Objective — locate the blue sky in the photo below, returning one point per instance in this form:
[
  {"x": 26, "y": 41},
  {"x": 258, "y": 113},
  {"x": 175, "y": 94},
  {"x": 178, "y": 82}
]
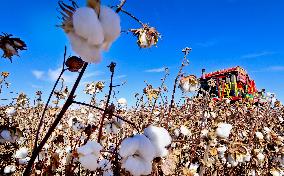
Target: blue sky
[{"x": 222, "y": 33}]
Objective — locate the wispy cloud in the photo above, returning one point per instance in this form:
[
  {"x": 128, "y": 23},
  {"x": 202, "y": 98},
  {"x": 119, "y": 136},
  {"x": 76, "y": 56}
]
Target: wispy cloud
[
  {"x": 93, "y": 74},
  {"x": 156, "y": 70},
  {"x": 270, "y": 69},
  {"x": 38, "y": 74},
  {"x": 68, "y": 77},
  {"x": 275, "y": 68},
  {"x": 258, "y": 54},
  {"x": 120, "y": 77}
]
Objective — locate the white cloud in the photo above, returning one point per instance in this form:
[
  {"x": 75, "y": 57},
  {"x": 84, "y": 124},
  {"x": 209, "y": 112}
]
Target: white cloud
[
  {"x": 255, "y": 55},
  {"x": 93, "y": 74},
  {"x": 120, "y": 76},
  {"x": 156, "y": 70},
  {"x": 38, "y": 74},
  {"x": 67, "y": 76},
  {"x": 275, "y": 68}
]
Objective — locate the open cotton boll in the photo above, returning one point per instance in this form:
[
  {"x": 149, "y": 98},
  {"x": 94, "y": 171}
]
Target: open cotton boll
[
  {"x": 87, "y": 25},
  {"x": 10, "y": 111},
  {"x": 137, "y": 145},
  {"x": 185, "y": 87},
  {"x": 122, "y": 102},
  {"x": 137, "y": 153},
  {"x": 128, "y": 147},
  {"x": 260, "y": 157},
  {"x": 224, "y": 130},
  {"x": 24, "y": 160},
  {"x": 160, "y": 138},
  {"x": 88, "y": 53},
  {"x": 89, "y": 162},
  {"x": 110, "y": 22},
  {"x": 259, "y": 135},
  {"x": 91, "y": 147},
  {"x": 185, "y": 131},
  {"x": 5, "y": 134},
  {"x": 9, "y": 169},
  {"x": 137, "y": 166},
  {"x": 21, "y": 153}
]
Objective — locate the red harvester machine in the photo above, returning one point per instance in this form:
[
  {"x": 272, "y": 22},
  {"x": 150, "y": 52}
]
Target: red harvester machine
[{"x": 232, "y": 83}]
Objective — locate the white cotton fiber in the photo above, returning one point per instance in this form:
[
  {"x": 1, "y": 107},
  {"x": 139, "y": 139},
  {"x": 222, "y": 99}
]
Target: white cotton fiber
[
  {"x": 91, "y": 54},
  {"x": 137, "y": 153},
  {"x": 146, "y": 148},
  {"x": 9, "y": 169},
  {"x": 223, "y": 130},
  {"x": 128, "y": 147},
  {"x": 91, "y": 147},
  {"x": 21, "y": 153},
  {"x": 185, "y": 87},
  {"x": 110, "y": 22},
  {"x": 160, "y": 138},
  {"x": 137, "y": 166},
  {"x": 86, "y": 24},
  {"x": 89, "y": 162},
  {"x": 5, "y": 134},
  {"x": 24, "y": 160}
]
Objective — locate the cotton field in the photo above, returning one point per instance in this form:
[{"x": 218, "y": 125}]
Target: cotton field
[{"x": 203, "y": 131}]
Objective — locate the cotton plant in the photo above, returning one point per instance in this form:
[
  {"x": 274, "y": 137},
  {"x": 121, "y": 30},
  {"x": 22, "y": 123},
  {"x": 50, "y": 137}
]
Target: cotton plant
[{"x": 90, "y": 29}]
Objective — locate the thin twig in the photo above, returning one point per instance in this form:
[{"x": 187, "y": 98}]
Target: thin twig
[
  {"x": 56, "y": 121},
  {"x": 122, "y": 2},
  {"x": 101, "y": 109},
  {"x": 49, "y": 98},
  {"x": 186, "y": 52},
  {"x": 111, "y": 66},
  {"x": 132, "y": 16}
]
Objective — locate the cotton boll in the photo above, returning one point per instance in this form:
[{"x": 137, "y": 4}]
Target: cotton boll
[
  {"x": 122, "y": 102},
  {"x": 87, "y": 25},
  {"x": 224, "y": 130},
  {"x": 10, "y": 111},
  {"x": 260, "y": 157},
  {"x": 177, "y": 132},
  {"x": 259, "y": 135},
  {"x": 222, "y": 150},
  {"x": 232, "y": 161},
  {"x": 185, "y": 87},
  {"x": 185, "y": 131},
  {"x": 9, "y": 169},
  {"x": 137, "y": 166},
  {"x": 5, "y": 134},
  {"x": 247, "y": 157},
  {"x": 105, "y": 164},
  {"x": 91, "y": 147},
  {"x": 108, "y": 173},
  {"x": 110, "y": 22},
  {"x": 89, "y": 162},
  {"x": 24, "y": 160},
  {"x": 21, "y": 153},
  {"x": 160, "y": 138},
  {"x": 88, "y": 53},
  {"x": 128, "y": 147}
]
